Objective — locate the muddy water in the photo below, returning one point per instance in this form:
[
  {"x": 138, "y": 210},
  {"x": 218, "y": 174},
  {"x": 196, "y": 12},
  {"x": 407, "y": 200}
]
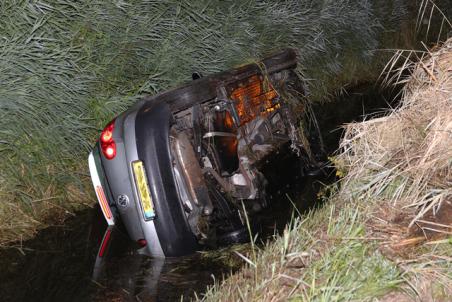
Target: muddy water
[{"x": 63, "y": 263}]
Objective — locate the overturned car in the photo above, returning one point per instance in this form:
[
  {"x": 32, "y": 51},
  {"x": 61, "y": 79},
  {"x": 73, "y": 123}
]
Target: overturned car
[{"x": 182, "y": 169}]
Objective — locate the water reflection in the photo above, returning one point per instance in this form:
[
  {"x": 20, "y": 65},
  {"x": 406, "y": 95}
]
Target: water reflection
[
  {"x": 124, "y": 271},
  {"x": 70, "y": 263},
  {"x": 120, "y": 273}
]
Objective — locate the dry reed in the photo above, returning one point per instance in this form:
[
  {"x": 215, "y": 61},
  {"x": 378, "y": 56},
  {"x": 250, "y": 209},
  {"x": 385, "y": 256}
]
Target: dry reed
[{"x": 406, "y": 157}]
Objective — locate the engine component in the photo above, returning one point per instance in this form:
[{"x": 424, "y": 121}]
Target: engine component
[{"x": 189, "y": 164}]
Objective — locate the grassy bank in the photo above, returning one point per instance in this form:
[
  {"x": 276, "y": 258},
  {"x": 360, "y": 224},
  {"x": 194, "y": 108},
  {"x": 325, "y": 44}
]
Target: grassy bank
[
  {"x": 385, "y": 230},
  {"x": 322, "y": 257},
  {"x": 68, "y": 67}
]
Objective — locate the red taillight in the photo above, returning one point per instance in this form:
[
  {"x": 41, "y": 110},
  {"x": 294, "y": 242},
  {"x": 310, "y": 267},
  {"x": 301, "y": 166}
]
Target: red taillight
[
  {"x": 142, "y": 242},
  {"x": 107, "y": 134},
  {"x": 110, "y": 150},
  {"x": 107, "y": 143}
]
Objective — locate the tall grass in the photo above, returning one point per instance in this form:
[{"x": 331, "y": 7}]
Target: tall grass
[
  {"x": 67, "y": 67},
  {"x": 45, "y": 83}
]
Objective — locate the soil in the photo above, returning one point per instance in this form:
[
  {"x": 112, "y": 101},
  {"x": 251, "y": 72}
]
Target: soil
[
  {"x": 393, "y": 223},
  {"x": 434, "y": 227}
]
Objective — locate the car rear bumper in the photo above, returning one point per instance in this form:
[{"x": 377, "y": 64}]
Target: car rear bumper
[
  {"x": 144, "y": 137},
  {"x": 116, "y": 178},
  {"x": 152, "y": 127}
]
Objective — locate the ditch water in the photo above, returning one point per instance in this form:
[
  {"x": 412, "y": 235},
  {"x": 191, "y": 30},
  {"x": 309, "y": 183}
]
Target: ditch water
[{"x": 62, "y": 263}]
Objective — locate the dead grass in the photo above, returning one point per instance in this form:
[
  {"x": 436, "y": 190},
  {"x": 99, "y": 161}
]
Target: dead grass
[
  {"x": 14, "y": 223},
  {"x": 405, "y": 158},
  {"x": 402, "y": 164}
]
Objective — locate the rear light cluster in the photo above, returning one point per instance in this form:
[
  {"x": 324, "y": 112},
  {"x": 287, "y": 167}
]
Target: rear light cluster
[{"x": 107, "y": 143}]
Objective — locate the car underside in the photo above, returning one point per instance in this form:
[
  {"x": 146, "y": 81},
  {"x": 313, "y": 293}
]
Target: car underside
[
  {"x": 185, "y": 169},
  {"x": 218, "y": 147}
]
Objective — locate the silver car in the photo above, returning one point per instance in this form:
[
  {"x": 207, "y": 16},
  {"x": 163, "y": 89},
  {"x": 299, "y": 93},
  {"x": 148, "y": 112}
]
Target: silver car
[{"x": 181, "y": 169}]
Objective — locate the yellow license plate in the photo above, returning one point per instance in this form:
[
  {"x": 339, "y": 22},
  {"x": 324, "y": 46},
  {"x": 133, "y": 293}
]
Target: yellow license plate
[{"x": 143, "y": 190}]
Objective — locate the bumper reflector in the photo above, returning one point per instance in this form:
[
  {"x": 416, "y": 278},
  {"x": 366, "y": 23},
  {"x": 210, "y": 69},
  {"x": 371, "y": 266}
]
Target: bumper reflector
[
  {"x": 103, "y": 202},
  {"x": 101, "y": 198},
  {"x": 143, "y": 190}
]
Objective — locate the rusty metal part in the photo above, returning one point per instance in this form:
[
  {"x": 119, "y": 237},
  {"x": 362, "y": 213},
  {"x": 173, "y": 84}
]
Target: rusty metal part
[
  {"x": 223, "y": 183},
  {"x": 191, "y": 170}
]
